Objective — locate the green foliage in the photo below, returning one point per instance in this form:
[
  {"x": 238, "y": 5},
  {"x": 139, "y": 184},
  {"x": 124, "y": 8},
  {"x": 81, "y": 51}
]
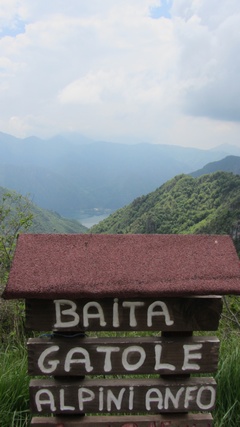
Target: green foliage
[
  {"x": 12, "y": 319},
  {"x": 43, "y": 220},
  {"x": 15, "y": 217},
  {"x": 227, "y": 412},
  {"x": 209, "y": 204},
  {"x": 18, "y": 215},
  {"x": 14, "y": 395}
]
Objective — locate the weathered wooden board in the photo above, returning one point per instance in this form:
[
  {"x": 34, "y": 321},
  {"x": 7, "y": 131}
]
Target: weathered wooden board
[
  {"x": 122, "y": 396},
  {"x": 163, "y": 314},
  {"x": 188, "y": 420},
  {"x": 62, "y": 356}
]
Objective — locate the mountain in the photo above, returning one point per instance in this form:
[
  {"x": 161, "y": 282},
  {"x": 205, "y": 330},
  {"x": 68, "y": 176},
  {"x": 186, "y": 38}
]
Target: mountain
[
  {"x": 228, "y": 148},
  {"x": 45, "y": 221},
  {"x": 228, "y": 164},
  {"x": 209, "y": 204},
  {"x": 70, "y": 173}
]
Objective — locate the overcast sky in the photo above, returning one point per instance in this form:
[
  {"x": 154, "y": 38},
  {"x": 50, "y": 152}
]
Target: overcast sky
[{"x": 159, "y": 71}]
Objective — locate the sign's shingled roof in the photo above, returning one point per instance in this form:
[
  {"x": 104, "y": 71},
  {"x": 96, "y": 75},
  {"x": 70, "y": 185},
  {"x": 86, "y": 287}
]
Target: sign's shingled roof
[{"x": 98, "y": 266}]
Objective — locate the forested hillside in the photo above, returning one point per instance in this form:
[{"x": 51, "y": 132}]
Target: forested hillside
[
  {"x": 43, "y": 221},
  {"x": 208, "y": 204}
]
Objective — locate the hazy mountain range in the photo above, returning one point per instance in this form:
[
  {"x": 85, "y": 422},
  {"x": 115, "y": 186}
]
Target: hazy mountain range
[{"x": 70, "y": 173}]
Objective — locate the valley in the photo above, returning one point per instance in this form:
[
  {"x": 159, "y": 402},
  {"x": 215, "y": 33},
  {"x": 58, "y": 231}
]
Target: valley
[
  {"x": 69, "y": 175},
  {"x": 78, "y": 185}
]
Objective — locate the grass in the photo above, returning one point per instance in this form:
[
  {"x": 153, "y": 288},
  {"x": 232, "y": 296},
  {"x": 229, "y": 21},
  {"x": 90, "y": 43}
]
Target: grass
[
  {"x": 227, "y": 413},
  {"x": 14, "y": 401}
]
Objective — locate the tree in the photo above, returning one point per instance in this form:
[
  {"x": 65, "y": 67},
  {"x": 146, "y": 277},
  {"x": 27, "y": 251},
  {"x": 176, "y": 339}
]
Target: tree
[{"x": 15, "y": 217}]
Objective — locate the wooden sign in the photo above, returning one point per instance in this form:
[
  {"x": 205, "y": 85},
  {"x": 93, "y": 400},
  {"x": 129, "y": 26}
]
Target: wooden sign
[
  {"x": 162, "y": 314},
  {"x": 122, "y": 396},
  {"x": 68, "y": 356},
  {"x": 196, "y": 420},
  {"x": 107, "y": 356}
]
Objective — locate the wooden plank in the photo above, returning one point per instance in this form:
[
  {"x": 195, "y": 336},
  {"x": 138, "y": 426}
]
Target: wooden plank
[
  {"x": 122, "y": 396},
  {"x": 189, "y": 420},
  {"x": 64, "y": 356},
  {"x": 113, "y": 314}
]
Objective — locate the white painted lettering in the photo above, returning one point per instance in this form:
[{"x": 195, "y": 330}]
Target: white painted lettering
[
  {"x": 115, "y": 314},
  {"x": 131, "y": 397},
  {"x": 117, "y": 400},
  {"x": 108, "y": 350},
  {"x": 100, "y": 399},
  {"x": 188, "y": 396},
  {"x": 174, "y": 399},
  {"x": 44, "y": 397},
  {"x": 212, "y": 394},
  {"x": 84, "y": 395},
  {"x": 85, "y": 359},
  {"x": 127, "y": 352},
  {"x": 64, "y": 407},
  {"x": 99, "y": 315},
  {"x": 187, "y": 356},
  {"x": 153, "y": 395},
  {"x": 50, "y": 365},
  {"x": 66, "y": 312},
  {"x": 158, "y": 364},
  {"x": 132, "y": 305},
  {"x": 163, "y": 312}
]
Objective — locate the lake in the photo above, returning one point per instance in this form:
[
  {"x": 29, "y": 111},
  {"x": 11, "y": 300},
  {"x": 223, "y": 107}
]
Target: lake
[{"x": 92, "y": 220}]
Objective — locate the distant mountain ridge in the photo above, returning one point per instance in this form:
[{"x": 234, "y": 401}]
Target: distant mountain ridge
[
  {"x": 208, "y": 204},
  {"x": 228, "y": 164},
  {"x": 70, "y": 173}
]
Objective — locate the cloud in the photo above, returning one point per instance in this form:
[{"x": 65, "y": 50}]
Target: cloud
[
  {"x": 209, "y": 64},
  {"x": 110, "y": 69},
  {"x": 86, "y": 90},
  {"x": 218, "y": 93}
]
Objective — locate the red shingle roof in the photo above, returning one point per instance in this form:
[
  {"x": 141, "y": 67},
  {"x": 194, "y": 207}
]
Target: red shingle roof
[{"x": 98, "y": 265}]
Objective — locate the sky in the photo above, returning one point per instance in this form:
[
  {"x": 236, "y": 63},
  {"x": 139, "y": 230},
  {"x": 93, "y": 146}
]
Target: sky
[{"x": 157, "y": 71}]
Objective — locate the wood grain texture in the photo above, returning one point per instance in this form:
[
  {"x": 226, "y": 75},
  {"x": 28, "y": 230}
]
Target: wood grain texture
[
  {"x": 122, "y": 396},
  {"x": 65, "y": 356},
  {"x": 185, "y": 314}
]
